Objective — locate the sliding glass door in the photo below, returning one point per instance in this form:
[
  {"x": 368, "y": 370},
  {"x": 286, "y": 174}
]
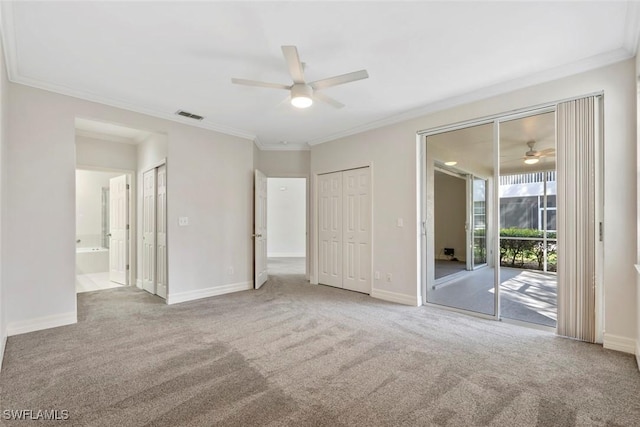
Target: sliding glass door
[{"x": 490, "y": 229}]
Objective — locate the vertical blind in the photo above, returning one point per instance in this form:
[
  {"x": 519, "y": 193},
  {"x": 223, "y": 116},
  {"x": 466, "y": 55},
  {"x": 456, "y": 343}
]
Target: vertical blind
[{"x": 576, "y": 217}]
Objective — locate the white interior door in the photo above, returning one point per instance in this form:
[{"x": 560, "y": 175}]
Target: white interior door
[
  {"x": 161, "y": 232},
  {"x": 260, "y": 230},
  {"x": 330, "y": 229},
  {"x": 149, "y": 231},
  {"x": 118, "y": 230},
  {"x": 356, "y": 226}
]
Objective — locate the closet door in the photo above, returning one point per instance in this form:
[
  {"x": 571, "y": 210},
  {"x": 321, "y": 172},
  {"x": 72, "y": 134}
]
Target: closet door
[
  {"x": 356, "y": 226},
  {"x": 161, "y": 232},
  {"x": 330, "y": 229},
  {"x": 149, "y": 231}
]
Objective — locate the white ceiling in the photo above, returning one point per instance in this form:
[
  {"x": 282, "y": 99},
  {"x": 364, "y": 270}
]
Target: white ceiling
[{"x": 158, "y": 57}]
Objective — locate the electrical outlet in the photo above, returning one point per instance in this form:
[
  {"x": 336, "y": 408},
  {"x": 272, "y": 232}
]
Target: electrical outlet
[
  {"x": 388, "y": 277},
  {"x": 183, "y": 221},
  {"x": 400, "y": 222},
  {"x": 376, "y": 275},
  {"x": 231, "y": 271}
]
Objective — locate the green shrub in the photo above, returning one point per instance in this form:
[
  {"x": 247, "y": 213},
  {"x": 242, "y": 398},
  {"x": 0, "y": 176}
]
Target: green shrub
[{"x": 516, "y": 253}]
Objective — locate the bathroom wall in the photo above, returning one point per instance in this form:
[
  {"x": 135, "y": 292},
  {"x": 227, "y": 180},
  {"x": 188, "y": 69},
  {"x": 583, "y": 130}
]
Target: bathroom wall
[{"x": 89, "y": 186}]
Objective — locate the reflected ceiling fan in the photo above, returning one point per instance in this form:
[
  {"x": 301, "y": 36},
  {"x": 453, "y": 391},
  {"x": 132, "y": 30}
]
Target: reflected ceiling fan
[
  {"x": 533, "y": 156},
  {"x": 303, "y": 93}
]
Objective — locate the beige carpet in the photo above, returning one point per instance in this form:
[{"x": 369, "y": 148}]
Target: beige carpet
[{"x": 297, "y": 354}]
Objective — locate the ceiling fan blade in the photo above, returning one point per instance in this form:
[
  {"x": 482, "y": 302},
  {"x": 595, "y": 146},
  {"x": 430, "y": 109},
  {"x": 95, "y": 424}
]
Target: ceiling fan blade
[
  {"x": 338, "y": 80},
  {"x": 548, "y": 151},
  {"x": 246, "y": 82},
  {"x": 293, "y": 62},
  {"x": 324, "y": 98}
]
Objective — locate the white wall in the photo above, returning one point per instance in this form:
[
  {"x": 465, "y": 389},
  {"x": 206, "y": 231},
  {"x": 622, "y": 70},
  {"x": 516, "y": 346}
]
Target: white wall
[
  {"x": 89, "y": 185},
  {"x": 450, "y": 215},
  {"x": 210, "y": 182},
  {"x": 638, "y": 207},
  {"x": 392, "y": 152},
  {"x": 150, "y": 153},
  {"x": 4, "y": 112},
  {"x": 105, "y": 154},
  {"x": 283, "y": 163},
  {"x": 286, "y": 217}
]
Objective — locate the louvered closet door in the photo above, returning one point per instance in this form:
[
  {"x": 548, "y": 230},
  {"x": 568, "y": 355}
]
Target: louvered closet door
[
  {"x": 356, "y": 225},
  {"x": 330, "y": 229}
]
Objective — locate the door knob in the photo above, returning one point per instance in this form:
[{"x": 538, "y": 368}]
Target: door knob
[{"x": 256, "y": 235}]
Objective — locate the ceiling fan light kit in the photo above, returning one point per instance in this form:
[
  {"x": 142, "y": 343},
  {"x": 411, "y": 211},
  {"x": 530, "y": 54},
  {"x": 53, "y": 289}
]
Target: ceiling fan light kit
[
  {"x": 533, "y": 156},
  {"x": 303, "y": 93}
]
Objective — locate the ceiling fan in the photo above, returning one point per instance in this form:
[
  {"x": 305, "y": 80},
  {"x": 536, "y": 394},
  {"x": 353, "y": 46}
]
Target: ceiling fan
[
  {"x": 533, "y": 156},
  {"x": 303, "y": 93}
]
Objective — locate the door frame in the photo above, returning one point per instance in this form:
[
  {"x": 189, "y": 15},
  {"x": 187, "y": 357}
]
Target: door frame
[
  {"x": 131, "y": 179},
  {"x": 313, "y": 209},
  {"x": 496, "y": 119}
]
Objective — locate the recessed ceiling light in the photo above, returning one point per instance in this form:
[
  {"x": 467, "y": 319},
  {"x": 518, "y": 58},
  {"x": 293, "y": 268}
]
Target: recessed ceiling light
[
  {"x": 283, "y": 188},
  {"x": 532, "y": 161},
  {"x": 451, "y": 163},
  {"x": 284, "y": 142}
]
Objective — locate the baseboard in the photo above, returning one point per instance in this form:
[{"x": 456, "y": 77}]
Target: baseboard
[
  {"x": 208, "y": 292},
  {"x": 618, "y": 343},
  {"x": 40, "y": 323},
  {"x": 638, "y": 354},
  {"x": 413, "y": 300},
  {"x": 286, "y": 255}
]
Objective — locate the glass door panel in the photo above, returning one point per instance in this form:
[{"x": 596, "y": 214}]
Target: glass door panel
[
  {"x": 479, "y": 222},
  {"x": 459, "y": 167},
  {"x": 527, "y": 199}
]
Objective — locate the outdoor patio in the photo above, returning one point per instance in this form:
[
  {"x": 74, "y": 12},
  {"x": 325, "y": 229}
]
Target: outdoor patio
[{"x": 526, "y": 295}]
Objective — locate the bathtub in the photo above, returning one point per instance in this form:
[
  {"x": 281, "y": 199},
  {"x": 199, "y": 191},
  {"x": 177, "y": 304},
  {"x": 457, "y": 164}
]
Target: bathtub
[{"x": 92, "y": 260}]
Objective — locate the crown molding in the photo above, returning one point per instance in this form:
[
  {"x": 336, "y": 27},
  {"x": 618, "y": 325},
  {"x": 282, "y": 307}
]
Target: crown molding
[
  {"x": 628, "y": 50},
  {"x": 87, "y": 96},
  {"x": 281, "y": 147},
  {"x": 289, "y": 147},
  {"x": 7, "y": 30},
  {"x": 577, "y": 67},
  {"x": 632, "y": 27}
]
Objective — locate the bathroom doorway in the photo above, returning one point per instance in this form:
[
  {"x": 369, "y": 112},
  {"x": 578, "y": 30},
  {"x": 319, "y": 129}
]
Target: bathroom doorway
[{"x": 103, "y": 212}]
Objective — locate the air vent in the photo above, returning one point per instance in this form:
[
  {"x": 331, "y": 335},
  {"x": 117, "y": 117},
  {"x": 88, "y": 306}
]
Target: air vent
[{"x": 189, "y": 115}]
